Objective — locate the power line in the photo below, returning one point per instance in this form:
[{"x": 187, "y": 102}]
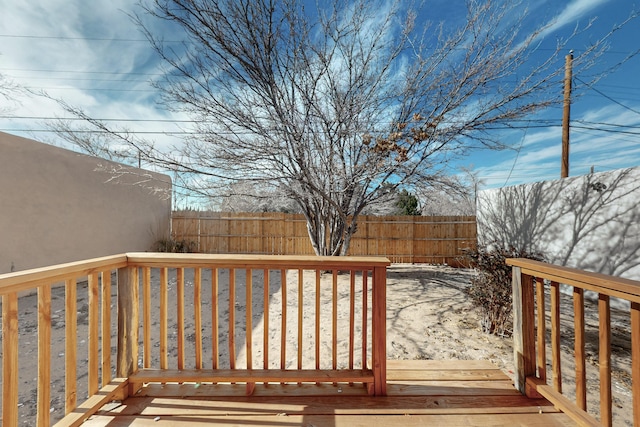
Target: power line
[
  {"x": 597, "y": 126},
  {"x": 80, "y": 72},
  {"x": 82, "y": 131},
  {"x": 547, "y": 167},
  {"x": 139, "y": 132},
  {"x": 632, "y": 139},
  {"x": 617, "y": 131},
  {"x": 127, "y": 40},
  {"x": 78, "y": 79},
  {"x": 626, "y": 88},
  {"x": 101, "y": 39},
  {"x": 585, "y": 122},
  {"x": 88, "y": 89},
  {"x": 101, "y": 120},
  {"x": 608, "y": 97}
]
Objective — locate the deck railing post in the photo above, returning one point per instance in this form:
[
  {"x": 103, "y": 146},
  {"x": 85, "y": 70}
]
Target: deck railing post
[
  {"x": 10, "y": 359},
  {"x": 128, "y": 321},
  {"x": 379, "y": 333},
  {"x": 523, "y": 328}
]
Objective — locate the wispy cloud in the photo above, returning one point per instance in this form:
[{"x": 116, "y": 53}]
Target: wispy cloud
[
  {"x": 571, "y": 15},
  {"x": 603, "y": 148},
  {"x": 90, "y": 54}
]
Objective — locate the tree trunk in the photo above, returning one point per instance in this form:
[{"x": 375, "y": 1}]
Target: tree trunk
[{"x": 330, "y": 236}]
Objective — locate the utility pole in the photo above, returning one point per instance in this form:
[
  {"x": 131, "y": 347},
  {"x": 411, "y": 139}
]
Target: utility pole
[{"x": 566, "y": 114}]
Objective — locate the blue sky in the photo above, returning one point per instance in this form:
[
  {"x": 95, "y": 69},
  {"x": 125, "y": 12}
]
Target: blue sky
[{"x": 94, "y": 57}]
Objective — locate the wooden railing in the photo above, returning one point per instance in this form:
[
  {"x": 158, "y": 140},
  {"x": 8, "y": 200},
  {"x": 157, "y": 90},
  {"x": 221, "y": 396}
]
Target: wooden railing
[
  {"x": 529, "y": 308},
  {"x": 289, "y": 308},
  {"x": 97, "y": 274}
]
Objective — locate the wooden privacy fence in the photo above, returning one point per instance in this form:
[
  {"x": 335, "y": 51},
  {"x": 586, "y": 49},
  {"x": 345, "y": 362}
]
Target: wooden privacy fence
[{"x": 401, "y": 239}]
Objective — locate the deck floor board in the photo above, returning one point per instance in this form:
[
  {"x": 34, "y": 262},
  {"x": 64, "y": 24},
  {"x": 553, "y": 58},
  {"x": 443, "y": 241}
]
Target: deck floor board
[{"x": 439, "y": 393}]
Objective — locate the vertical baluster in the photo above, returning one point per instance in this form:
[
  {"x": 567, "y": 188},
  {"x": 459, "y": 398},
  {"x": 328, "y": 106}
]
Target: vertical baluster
[
  {"x": 146, "y": 314},
  {"x": 44, "y": 355},
  {"x": 541, "y": 352},
  {"x": 232, "y": 318},
  {"x": 249, "y": 318},
  {"x": 283, "y": 314},
  {"x": 10, "y": 359},
  {"x": 180, "y": 315},
  {"x": 317, "y": 314},
  {"x": 249, "y": 325},
  {"x": 106, "y": 327},
  {"x": 579, "y": 348},
  {"x": 334, "y": 320},
  {"x": 93, "y": 361},
  {"x": 197, "y": 315},
  {"x": 215, "y": 358},
  {"x": 300, "y": 313},
  {"x": 352, "y": 314},
  {"x": 365, "y": 316},
  {"x": 556, "y": 360},
  {"x": 164, "y": 318},
  {"x": 265, "y": 341},
  {"x": 635, "y": 361},
  {"x": 71, "y": 348},
  {"x": 604, "y": 318}
]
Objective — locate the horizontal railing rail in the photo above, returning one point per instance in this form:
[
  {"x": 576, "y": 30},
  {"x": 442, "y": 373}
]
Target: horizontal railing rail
[
  {"x": 529, "y": 307},
  {"x": 193, "y": 318}
]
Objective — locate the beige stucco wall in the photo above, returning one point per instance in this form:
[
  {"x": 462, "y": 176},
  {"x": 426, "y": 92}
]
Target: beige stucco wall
[
  {"x": 60, "y": 206},
  {"x": 590, "y": 222}
]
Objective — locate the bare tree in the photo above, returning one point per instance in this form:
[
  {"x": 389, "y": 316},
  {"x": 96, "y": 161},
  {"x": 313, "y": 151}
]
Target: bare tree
[
  {"x": 447, "y": 203},
  {"x": 8, "y": 91},
  {"x": 336, "y": 104},
  {"x": 99, "y": 144},
  {"x": 244, "y": 196},
  {"x": 456, "y": 197},
  {"x": 386, "y": 204}
]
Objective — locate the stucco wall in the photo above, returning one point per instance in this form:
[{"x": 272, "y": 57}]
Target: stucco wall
[
  {"x": 59, "y": 206},
  {"x": 590, "y": 222}
]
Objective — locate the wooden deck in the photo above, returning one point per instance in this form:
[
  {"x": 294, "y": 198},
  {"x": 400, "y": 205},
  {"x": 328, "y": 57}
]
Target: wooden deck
[
  {"x": 228, "y": 372},
  {"x": 437, "y": 393}
]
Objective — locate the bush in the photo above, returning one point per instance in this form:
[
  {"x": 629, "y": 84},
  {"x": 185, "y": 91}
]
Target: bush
[
  {"x": 175, "y": 246},
  {"x": 491, "y": 290}
]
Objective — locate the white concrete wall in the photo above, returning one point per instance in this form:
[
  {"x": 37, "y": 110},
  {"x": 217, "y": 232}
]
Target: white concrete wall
[
  {"x": 589, "y": 222},
  {"x": 60, "y": 206}
]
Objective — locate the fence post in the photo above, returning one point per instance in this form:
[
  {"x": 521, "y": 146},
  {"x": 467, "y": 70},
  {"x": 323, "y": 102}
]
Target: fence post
[
  {"x": 379, "y": 333},
  {"x": 523, "y": 328},
  {"x": 128, "y": 321}
]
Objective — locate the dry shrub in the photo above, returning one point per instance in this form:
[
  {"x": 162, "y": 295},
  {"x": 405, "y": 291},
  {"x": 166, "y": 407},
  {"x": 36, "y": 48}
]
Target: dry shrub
[
  {"x": 175, "y": 246},
  {"x": 491, "y": 290}
]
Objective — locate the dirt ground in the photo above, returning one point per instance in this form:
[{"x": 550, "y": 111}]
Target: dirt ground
[{"x": 429, "y": 316}]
